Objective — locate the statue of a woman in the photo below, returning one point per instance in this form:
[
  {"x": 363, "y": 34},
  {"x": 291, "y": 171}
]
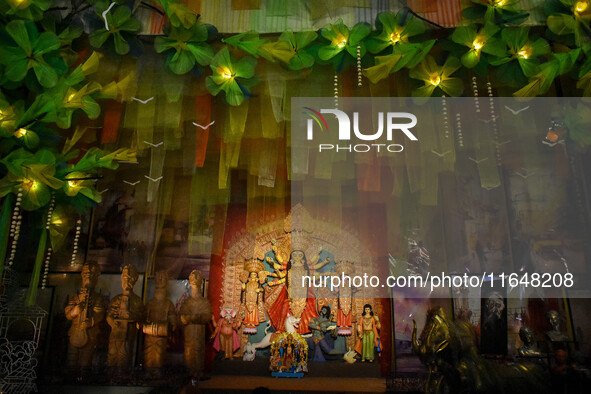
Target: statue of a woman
[
  {"x": 369, "y": 339},
  {"x": 251, "y": 308}
]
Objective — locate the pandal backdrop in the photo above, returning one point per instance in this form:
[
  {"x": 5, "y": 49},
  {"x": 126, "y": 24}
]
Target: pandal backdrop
[{"x": 195, "y": 122}]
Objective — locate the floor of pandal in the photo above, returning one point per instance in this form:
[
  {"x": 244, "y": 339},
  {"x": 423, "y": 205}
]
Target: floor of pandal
[{"x": 233, "y": 376}]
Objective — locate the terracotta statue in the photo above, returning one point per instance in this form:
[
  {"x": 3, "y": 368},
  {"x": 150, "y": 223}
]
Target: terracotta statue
[
  {"x": 251, "y": 308},
  {"x": 369, "y": 339},
  {"x": 554, "y": 334},
  {"x": 344, "y": 311},
  {"x": 195, "y": 314},
  {"x": 529, "y": 348},
  {"x": 161, "y": 321},
  {"x": 125, "y": 312},
  {"x": 86, "y": 311},
  {"x": 225, "y": 335}
]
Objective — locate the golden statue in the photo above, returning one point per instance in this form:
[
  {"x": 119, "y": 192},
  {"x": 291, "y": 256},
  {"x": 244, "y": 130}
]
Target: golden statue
[
  {"x": 125, "y": 312},
  {"x": 195, "y": 314},
  {"x": 86, "y": 311},
  {"x": 251, "y": 308},
  {"x": 161, "y": 321}
]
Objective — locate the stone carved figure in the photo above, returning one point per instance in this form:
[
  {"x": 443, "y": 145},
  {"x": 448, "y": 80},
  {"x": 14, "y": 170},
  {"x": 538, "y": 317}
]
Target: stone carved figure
[
  {"x": 195, "y": 314},
  {"x": 225, "y": 336},
  {"x": 126, "y": 311},
  {"x": 161, "y": 321},
  {"x": 86, "y": 311},
  {"x": 529, "y": 347}
]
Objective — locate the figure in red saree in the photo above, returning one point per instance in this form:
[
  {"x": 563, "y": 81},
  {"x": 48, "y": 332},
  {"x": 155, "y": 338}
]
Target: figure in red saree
[{"x": 292, "y": 299}]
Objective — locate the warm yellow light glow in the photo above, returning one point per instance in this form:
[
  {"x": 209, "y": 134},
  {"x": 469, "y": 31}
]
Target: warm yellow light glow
[
  {"x": 73, "y": 183},
  {"x": 477, "y": 44},
  {"x": 340, "y": 41},
  {"x": 225, "y": 72},
  {"x": 30, "y": 184},
  {"x": 2, "y": 115},
  {"x": 71, "y": 97},
  {"x": 499, "y": 3},
  {"x": 57, "y": 222},
  {"x": 395, "y": 37},
  {"x": 435, "y": 80},
  {"x": 581, "y": 6},
  {"x": 20, "y": 133}
]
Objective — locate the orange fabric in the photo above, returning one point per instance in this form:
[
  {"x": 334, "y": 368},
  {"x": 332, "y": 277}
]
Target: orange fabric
[
  {"x": 203, "y": 118},
  {"x": 111, "y": 122},
  {"x": 194, "y": 5},
  {"x": 246, "y": 4}
]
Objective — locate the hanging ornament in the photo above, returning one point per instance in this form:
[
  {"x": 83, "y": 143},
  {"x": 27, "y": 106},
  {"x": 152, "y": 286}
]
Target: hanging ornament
[
  {"x": 49, "y": 250},
  {"x": 493, "y": 118},
  {"x": 475, "y": 92},
  {"x": 336, "y": 90},
  {"x": 459, "y": 130},
  {"x": 15, "y": 225},
  {"x": 445, "y": 120},
  {"x": 359, "y": 71},
  {"x": 76, "y": 239}
]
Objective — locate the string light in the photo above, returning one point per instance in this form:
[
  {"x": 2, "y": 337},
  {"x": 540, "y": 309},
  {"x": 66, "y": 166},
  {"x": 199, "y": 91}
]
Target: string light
[
  {"x": 76, "y": 239},
  {"x": 15, "y": 225},
  {"x": 359, "y": 80},
  {"x": 336, "y": 89},
  {"x": 444, "y": 112},
  {"x": 493, "y": 119},
  {"x": 459, "y": 130},
  {"x": 49, "y": 250},
  {"x": 475, "y": 92}
]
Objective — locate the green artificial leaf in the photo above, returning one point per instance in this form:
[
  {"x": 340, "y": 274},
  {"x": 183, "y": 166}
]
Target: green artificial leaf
[
  {"x": 179, "y": 13},
  {"x": 384, "y": 66},
  {"x": 121, "y": 22},
  {"x": 561, "y": 24},
  {"x": 26, "y": 9},
  {"x": 249, "y": 42},
  {"x": 437, "y": 77},
  {"x": 185, "y": 48},
  {"x": 341, "y": 39},
  {"x": 232, "y": 77}
]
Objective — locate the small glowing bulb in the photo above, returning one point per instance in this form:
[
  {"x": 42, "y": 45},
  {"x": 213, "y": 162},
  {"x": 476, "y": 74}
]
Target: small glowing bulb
[
  {"x": 2, "y": 114},
  {"x": 499, "y": 3},
  {"x": 524, "y": 53},
  {"x": 73, "y": 183},
  {"x": 340, "y": 41},
  {"x": 30, "y": 184},
  {"x": 71, "y": 97},
  {"x": 20, "y": 132},
  {"x": 225, "y": 72},
  {"x": 395, "y": 37},
  {"x": 435, "y": 80},
  {"x": 57, "y": 222},
  {"x": 581, "y": 6},
  {"x": 477, "y": 45}
]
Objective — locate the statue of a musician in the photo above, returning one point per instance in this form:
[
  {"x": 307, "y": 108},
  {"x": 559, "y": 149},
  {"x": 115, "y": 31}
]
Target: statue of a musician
[
  {"x": 86, "y": 311},
  {"x": 125, "y": 314}
]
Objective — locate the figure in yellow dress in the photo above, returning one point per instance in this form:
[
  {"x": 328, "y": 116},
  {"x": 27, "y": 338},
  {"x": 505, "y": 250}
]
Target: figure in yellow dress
[{"x": 369, "y": 338}]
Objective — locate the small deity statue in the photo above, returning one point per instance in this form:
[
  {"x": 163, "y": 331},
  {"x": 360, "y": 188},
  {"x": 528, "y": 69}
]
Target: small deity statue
[
  {"x": 529, "y": 347},
  {"x": 195, "y": 314},
  {"x": 320, "y": 326},
  {"x": 369, "y": 339},
  {"x": 251, "y": 308},
  {"x": 554, "y": 334},
  {"x": 86, "y": 311},
  {"x": 225, "y": 336},
  {"x": 126, "y": 311},
  {"x": 161, "y": 321}
]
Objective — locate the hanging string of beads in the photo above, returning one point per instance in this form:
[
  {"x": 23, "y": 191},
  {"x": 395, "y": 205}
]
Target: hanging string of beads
[
  {"x": 493, "y": 119},
  {"x": 445, "y": 120},
  {"x": 475, "y": 92},
  {"x": 49, "y": 250},
  {"x": 76, "y": 239},
  {"x": 15, "y": 225},
  {"x": 359, "y": 81},
  {"x": 459, "y": 130},
  {"x": 336, "y": 90}
]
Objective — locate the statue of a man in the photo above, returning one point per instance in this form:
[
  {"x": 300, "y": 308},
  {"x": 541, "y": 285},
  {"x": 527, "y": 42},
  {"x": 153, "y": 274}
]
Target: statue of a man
[
  {"x": 554, "y": 334},
  {"x": 529, "y": 347},
  {"x": 195, "y": 314},
  {"x": 86, "y": 311},
  {"x": 125, "y": 312},
  {"x": 161, "y": 321}
]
